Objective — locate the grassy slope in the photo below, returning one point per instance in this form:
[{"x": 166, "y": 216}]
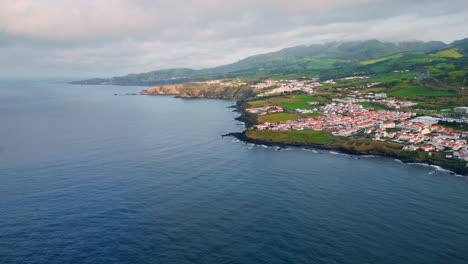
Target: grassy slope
[
  {"x": 398, "y": 55},
  {"x": 361, "y": 145},
  {"x": 365, "y": 145},
  {"x": 420, "y": 91},
  {"x": 292, "y": 62},
  {"x": 312, "y": 115},
  {"x": 448, "y": 53},
  {"x": 300, "y": 101},
  {"x": 303, "y": 136},
  {"x": 278, "y": 117},
  {"x": 375, "y": 106},
  {"x": 289, "y": 101}
]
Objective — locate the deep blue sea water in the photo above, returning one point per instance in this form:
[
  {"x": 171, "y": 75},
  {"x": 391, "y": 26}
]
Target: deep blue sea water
[{"x": 90, "y": 177}]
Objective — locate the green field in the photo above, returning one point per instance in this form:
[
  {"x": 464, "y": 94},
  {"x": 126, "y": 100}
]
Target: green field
[
  {"x": 380, "y": 68},
  {"x": 258, "y": 103},
  {"x": 366, "y": 144},
  {"x": 303, "y": 136},
  {"x": 278, "y": 117},
  {"x": 440, "y": 68},
  {"x": 394, "y": 76},
  {"x": 312, "y": 115},
  {"x": 420, "y": 91},
  {"x": 375, "y": 90},
  {"x": 448, "y": 53},
  {"x": 458, "y": 74},
  {"x": 404, "y": 61},
  {"x": 398, "y": 55},
  {"x": 375, "y": 106},
  {"x": 300, "y": 101}
]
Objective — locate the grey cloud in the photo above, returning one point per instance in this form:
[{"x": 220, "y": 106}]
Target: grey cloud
[{"x": 113, "y": 37}]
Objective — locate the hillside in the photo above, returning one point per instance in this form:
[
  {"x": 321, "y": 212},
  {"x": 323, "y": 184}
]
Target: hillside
[{"x": 303, "y": 60}]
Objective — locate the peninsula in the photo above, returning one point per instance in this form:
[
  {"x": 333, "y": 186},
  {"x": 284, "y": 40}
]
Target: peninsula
[{"x": 404, "y": 100}]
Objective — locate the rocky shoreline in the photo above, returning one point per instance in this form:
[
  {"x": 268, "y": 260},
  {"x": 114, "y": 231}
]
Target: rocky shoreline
[
  {"x": 244, "y": 138},
  {"x": 188, "y": 97}
]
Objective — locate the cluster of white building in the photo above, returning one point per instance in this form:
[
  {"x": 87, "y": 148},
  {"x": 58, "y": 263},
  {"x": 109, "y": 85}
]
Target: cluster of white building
[
  {"x": 396, "y": 104},
  {"x": 232, "y": 83},
  {"x": 265, "y": 84},
  {"x": 452, "y": 142},
  {"x": 378, "y": 98},
  {"x": 265, "y": 110},
  {"x": 355, "y": 78},
  {"x": 462, "y": 120},
  {"x": 347, "y": 119},
  {"x": 341, "y": 119},
  {"x": 287, "y": 86},
  {"x": 463, "y": 110},
  {"x": 305, "y": 111}
]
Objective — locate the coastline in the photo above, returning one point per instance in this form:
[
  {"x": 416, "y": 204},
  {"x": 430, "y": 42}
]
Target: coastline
[
  {"x": 192, "y": 97},
  {"x": 243, "y": 117},
  {"x": 459, "y": 170},
  {"x": 408, "y": 160}
]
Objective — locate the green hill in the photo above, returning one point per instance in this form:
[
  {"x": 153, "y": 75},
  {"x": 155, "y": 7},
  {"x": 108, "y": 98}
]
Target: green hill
[{"x": 295, "y": 61}]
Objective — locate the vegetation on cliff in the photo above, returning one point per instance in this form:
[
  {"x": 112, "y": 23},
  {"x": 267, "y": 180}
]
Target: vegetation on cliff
[
  {"x": 304, "y": 136},
  {"x": 201, "y": 90}
]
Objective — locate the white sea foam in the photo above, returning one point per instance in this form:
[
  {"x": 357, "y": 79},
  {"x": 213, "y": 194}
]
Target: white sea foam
[
  {"x": 436, "y": 168},
  {"x": 338, "y": 153},
  {"x": 420, "y": 164},
  {"x": 250, "y": 145},
  {"x": 370, "y": 156},
  {"x": 311, "y": 150}
]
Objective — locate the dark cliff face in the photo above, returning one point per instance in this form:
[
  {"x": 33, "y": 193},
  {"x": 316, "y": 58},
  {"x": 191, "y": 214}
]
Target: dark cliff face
[{"x": 198, "y": 90}]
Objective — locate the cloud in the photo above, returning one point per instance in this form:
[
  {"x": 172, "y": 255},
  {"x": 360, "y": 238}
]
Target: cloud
[{"x": 113, "y": 37}]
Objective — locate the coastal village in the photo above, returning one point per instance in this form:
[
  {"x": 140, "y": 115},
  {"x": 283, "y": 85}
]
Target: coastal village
[
  {"x": 283, "y": 86},
  {"x": 346, "y": 117},
  {"x": 353, "y": 107}
]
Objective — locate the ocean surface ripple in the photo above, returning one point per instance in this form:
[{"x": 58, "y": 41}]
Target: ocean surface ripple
[{"x": 89, "y": 177}]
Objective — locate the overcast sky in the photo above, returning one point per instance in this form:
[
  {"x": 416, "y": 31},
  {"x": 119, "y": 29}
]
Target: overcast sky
[{"x": 89, "y": 38}]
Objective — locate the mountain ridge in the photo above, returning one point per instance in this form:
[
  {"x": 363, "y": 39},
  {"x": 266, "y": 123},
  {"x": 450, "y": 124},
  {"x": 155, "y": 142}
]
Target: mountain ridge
[{"x": 301, "y": 58}]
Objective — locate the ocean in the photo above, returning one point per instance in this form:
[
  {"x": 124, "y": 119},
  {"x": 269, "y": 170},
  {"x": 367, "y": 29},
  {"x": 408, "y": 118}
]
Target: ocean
[{"x": 94, "y": 174}]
